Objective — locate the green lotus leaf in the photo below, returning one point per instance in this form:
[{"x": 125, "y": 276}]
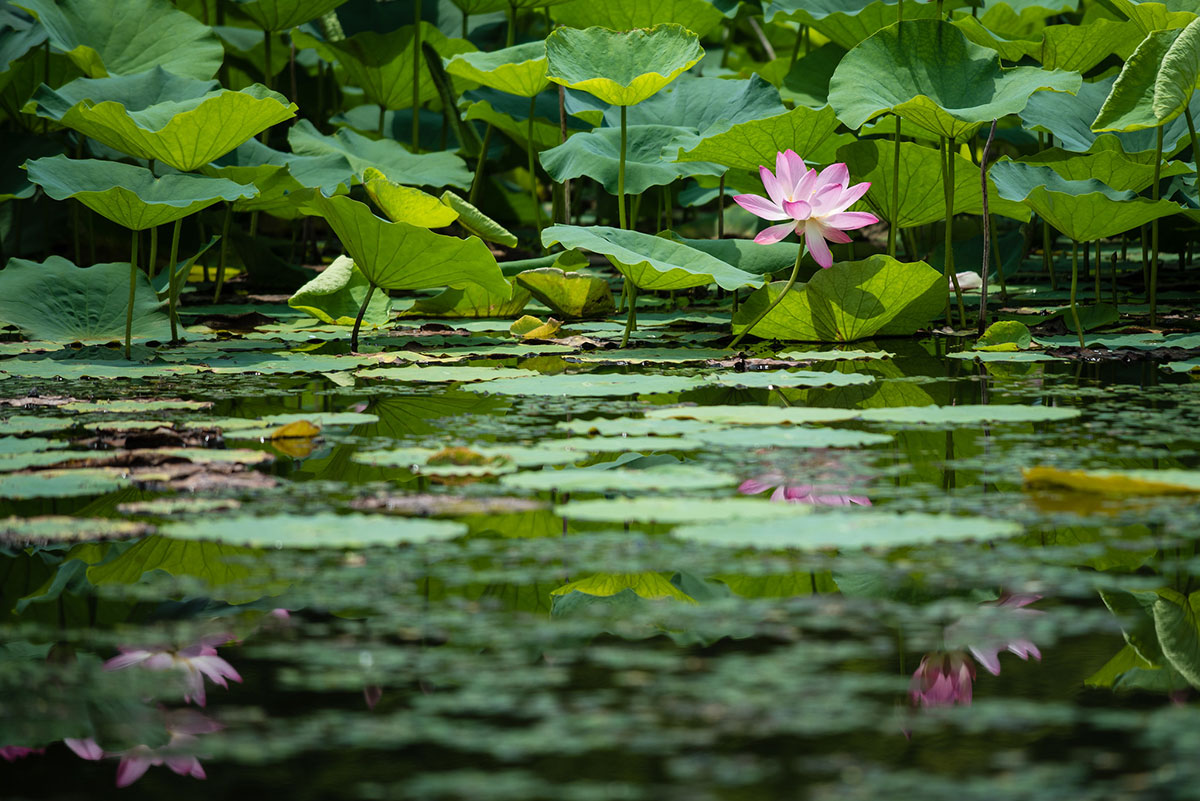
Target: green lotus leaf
[
  {"x": 704, "y": 106},
  {"x": 336, "y": 295},
  {"x": 807, "y": 82},
  {"x": 699, "y": 16},
  {"x": 622, "y": 68},
  {"x": 926, "y": 71},
  {"x": 518, "y": 70},
  {"x": 59, "y": 302},
  {"x": 748, "y": 145},
  {"x": 1156, "y": 83},
  {"x": 749, "y": 256},
  {"x": 324, "y": 530},
  {"x": 396, "y": 255},
  {"x": 405, "y": 204},
  {"x": 1069, "y": 118},
  {"x": 510, "y": 115},
  {"x": 1005, "y": 335},
  {"x": 598, "y": 156},
  {"x": 388, "y": 156},
  {"x": 122, "y": 37},
  {"x": 1082, "y": 210},
  {"x": 128, "y": 195},
  {"x": 922, "y": 200},
  {"x": 186, "y": 134},
  {"x": 283, "y": 15},
  {"x": 850, "y": 301},
  {"x": 570, "y": 295},
  {"x": 846, "y": 22},
  {"x": 18, "y": 38},
  {"x": 1075, "y": 48},
  {"x": 1154, "y": 15},
  {"x": 381, "y": 64},
  {"x": 471, "y": 302},
  {"x": 284, "y": 180},
  {"x": 650, "y": 262},
  {"x": 478, "y": 223},
  {"x": 480, "y": 6},
  {"x": 1109, "y": 167}
]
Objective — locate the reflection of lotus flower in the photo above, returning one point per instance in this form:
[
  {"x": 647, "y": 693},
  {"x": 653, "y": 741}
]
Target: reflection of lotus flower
[
  {"x": 195, "y": 662},
  {"x": 986, "y": 648},
  {"x": 183, "y": 727},
  {"x": 814, "y": 204},
  {"x": 11, "y": 753},
  {"x": 815, "y": 495},
  {"x": 86, "y": 748},
  {"x": 943, "y": 679}
]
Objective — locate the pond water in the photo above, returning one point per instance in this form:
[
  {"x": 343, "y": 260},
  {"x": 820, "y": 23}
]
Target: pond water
[{"x": 459, "y": 590}]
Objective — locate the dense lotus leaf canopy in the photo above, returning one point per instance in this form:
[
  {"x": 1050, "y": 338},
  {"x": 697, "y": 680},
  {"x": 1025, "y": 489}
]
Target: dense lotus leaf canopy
[
  {"x": 122, "y": 37},
  {"x": 700, "y": 16},
  {"x": 621, "y": 68},
  {"x": 396, "y": 255},
  {"x": 749, "y": 145},
  {"x": 128, "y": 195},
  {"x": 59, "y": 302},
  {"x": 927, "y": 72},
  {"x": 1156, "y": 84},
  {"x": 519, "y": 70},
  {"x": 284, "y": 180},
  {"x": 1110, "y": 167},
  {"x": 1083, "y": 210},
  {"x": 283, "y": 15},
  {"x": 704, "y": 106},
  {"x": 846, "y": 22},
  {"x": 598, "y": 156},
  {"x": 156, "y": 115},
  {"x": 388, "y": 156},
  {"x": 651, "y": 262}
]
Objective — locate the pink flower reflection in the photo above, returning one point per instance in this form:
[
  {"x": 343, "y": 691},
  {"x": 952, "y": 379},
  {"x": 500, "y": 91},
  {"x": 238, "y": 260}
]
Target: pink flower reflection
[
  {"x": 183, "y": 726},
  {"x": 943, "y": 679},
  {"x": 196, "y": 662},
  {"x": 813, "y": 494},
  {"x": 11, "y": 753}
]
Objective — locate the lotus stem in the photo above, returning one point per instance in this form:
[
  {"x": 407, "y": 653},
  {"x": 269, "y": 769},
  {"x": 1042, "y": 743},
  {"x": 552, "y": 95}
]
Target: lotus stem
[
  {"x": 153, "y": 252},
  {"x": 173, "y": 281},
  {"x": 466, "y": 18},
  {"x": 74, "y": 231},
  {"x": 999, "y": 261},
  {"x": 1187, "y": 114},
  {"x": 1074, "y": 285},
  {"x": 948, "y": 258},
  {"x": 533, "y": 193},
  {"x": 894, "y": 223},
  {"x": 1099, "y": 264},
  {"x": 511, "y": 38},
  {"x": 631, "y": 320},
  {"x": 477, "y": 180},
  {"x": 721, "y": 209},
  {"x": 382, "y": 115},
  {"x": 1154, "y": 194},
  {"x": 362, "y": 312},
  {"x": 562, "y": 138},
  {"x": 779, "y": 299},
  {"x": 1113, "y": 273},
  {"x": 939, "y": 9},
  {"x": 987, "y": 229},
  {"x": 267, "y": 60},
  {"x": 133, "y": 271},
  {"x": 416, "y": 94},
  {"x": 224, "y": 252},
  {"x": 621, "y": 172}
]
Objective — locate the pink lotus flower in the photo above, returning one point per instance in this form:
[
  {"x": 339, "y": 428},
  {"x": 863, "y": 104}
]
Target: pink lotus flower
[
  {"x": 814, "y": 204},
  {"x": 195, "y": 662},
  {"x": 943, "y": 679},
  {"x": 85, "y": 748},
  {"x": 812, "y": 494},
  {"x": 11, "y": 753}
]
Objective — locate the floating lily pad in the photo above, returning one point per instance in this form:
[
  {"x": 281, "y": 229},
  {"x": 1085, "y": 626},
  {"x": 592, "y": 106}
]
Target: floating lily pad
[
  {"x": 50, "y": 529},
  {"x": 61, "y": 483},
  {"x": 322, "y": 530},
  {"x": 791, "y": 378},
  {"x": 582, "y": 385},
  {"x": 29, "y": 424},
  {"x": 1117, "y": 482},
  {"x": 652, "y": 479},
  {"x": 678, "y": 510},
  {"x": 859, "y": 529},
  {"x": 848, "y": 355},
  {"x": 754, "y": 415},
  {"x": 445, "y": 375},
  {"x": 790, "y": 437},
  {"x": 70, "y": 369},
  {"x": 650, "y": 356},
  {"x": 968, "y": 414},
  {"x": 1006, "y": 356}
]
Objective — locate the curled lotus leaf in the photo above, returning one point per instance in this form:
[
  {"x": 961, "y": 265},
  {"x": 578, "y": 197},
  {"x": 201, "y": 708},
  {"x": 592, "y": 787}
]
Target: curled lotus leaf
[
  {"x": 386, "y": 155},
  {"x": 1156, "y": 84},
  {"x": 283, "y": 15},
  {"x": 622, "y": 68},
  {"x": 406, "y": 204},
  {"x": 518, "y": 70}
]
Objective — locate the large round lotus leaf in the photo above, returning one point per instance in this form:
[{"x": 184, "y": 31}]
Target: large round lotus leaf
[
  {"x": 1156, "y": 83},
  {"x": 622, "y": 68},
  {"x": 967, "y": 414},
  {"x": 59, "y": 302},
  {"x": 569, "y": 295},
  {"x": 74, "y": 368},
  {"x": 381, "y": 64},
  {"x": 396, "y": 255},
  {"x": 29, "y": 424},
  {"x": 662, "y": 478},
  {"x": 927, "y": 72},
  {"x": 859, "y": 529},
  {"x": 1075, "y": 48},
  {"x": 650, "y": 262},
  {"x": 790, "y": 437},
  {"x": 749, "y": 256},
  {"x": 700, "y": 16},
  {"x": 791, "y": 378},
  {"x": 846, "y": 22},
  {"x": 584, "y": 385},
  {"x": 852, "y": 300},
  {"x": 1069, "y": 118},
  {"x": 922, "y": 200},
  {"x": 122, "y": 37},
  {"x": 1106, "y": 166},
  {"x": 284, "y": 181},
  {"x": 61, "y": 483},
  {"x": 678, "y": 510},
  {"x": 385, "y": 155},
  {"x": 437, "y": 374},
  {"x": 519, "y": 70},
  {"x": 1117, "y": 482},
  {"x": 283, "y": 15},
  {"x": 749, "y": 145},
  {"x": 322, "y": 530},
  {"x": 598, "y": 155},
  {"x": 128, "y": 195},
  {"x": 336, "y": 295},
  {"x": 705, "y": 106},
  {"x": 49, "y": 529},
  {"x": 1083, "y": 210},
  {"x": 671, "y": 355},
  {"x": 185, "y": 133},
  {"x": 401, "y": 203},
  {"x": 753, "y": 415}
]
